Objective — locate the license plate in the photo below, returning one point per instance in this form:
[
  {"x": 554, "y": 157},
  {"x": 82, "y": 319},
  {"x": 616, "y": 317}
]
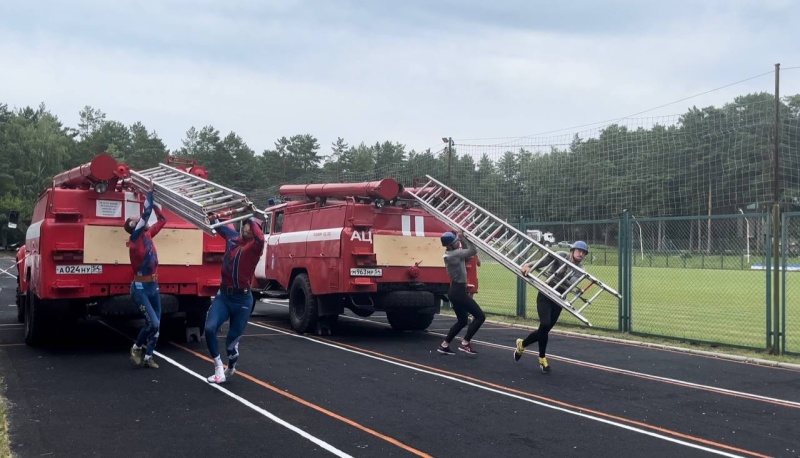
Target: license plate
[
  {"x": 358, "y": 272},
  {"x": 80, "y": 269}
]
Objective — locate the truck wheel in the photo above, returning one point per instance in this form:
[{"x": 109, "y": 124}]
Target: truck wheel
[
  {"x": 409, "y": 321},
  {"x": 36, "y": 325},
  {"x": 302, "y": 305},
  {"x": 195, "y": 310},
  {"x": 255, "y": 300},
  {"x": 20, "y": 304}
]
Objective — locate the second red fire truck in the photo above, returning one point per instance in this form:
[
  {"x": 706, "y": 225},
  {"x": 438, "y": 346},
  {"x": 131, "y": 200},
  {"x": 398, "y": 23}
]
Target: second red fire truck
[{"x": 365, "y": 247}]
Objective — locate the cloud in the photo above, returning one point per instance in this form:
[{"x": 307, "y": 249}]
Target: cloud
[{"x": 410, "y": 72}]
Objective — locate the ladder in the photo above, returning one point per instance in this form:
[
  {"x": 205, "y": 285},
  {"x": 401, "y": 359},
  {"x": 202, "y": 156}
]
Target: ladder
[
  {"x": 193, "y": 198},
  {"x": 552, "y": 274}
]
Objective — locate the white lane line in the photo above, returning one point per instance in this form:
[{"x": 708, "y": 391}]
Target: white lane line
[
  {"x": 504, "y": 393},
  {"x": 264, "y": 412},
  {"x": 713, "y": 389},
  {"x": 258, "y": 409}
]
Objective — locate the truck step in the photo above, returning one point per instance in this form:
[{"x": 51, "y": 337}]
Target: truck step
[{"x": 273, "y": 294}]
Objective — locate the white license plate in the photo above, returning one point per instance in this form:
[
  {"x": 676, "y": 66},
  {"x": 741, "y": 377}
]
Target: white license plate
[
  {"x": 358, "y": 272},
  {"x": 80, "y": 269}
]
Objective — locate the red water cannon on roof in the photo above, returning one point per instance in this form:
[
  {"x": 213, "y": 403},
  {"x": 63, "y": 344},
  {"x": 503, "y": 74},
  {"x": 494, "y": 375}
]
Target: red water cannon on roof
[
  {"x": 101, "y": 173},
  {"x": 386, "y": 189},
  {"x": 188, "y": 165}
]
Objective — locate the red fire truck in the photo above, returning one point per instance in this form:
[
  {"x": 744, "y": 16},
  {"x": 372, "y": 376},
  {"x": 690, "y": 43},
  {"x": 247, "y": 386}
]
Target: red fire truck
[
  {"x": 75, "y": 260},
  {"x": 365, "y": 247}
]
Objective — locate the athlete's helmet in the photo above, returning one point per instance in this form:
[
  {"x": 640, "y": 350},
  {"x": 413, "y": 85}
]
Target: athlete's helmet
[
  {"x": 130, "y": 225},
  {"x": 448, "y": 238},
  {"x": 581, "y": 245}
]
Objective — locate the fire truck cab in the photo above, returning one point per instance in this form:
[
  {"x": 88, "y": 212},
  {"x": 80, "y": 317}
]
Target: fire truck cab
[
  {"x": 365, "y": 247},
  {"x": 75, "y": 260}
]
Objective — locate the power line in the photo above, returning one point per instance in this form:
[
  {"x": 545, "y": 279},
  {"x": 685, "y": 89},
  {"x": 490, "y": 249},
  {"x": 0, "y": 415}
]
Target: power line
[{"x": 634, "y": 114}]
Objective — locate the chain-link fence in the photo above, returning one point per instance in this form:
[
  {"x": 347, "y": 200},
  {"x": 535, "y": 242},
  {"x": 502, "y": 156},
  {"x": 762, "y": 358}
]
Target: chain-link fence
[
  {"x": 698, "y": 190},
  {"x": 698, "y": 279},
  {"x": 790, "y": 281}
]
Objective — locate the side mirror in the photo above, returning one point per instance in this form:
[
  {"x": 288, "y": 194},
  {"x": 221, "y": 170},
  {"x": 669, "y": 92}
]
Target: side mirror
[{"x": 13, "y": 219}]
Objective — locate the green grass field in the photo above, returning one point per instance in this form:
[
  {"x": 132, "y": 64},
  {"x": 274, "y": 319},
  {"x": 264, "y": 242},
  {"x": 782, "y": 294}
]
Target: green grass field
[{"x": 707, "y": 305}]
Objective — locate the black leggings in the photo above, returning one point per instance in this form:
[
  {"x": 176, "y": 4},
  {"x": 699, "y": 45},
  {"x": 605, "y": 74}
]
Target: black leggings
[
  {"x": 548, "y": 312},
  {"x": 464, "y": 305}
]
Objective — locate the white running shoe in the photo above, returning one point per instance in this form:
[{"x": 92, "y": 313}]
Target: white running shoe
[{"x": 219, "y": 375}]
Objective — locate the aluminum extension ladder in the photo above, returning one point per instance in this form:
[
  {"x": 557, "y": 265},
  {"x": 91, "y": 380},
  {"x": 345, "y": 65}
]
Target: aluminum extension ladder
[
  {"x": 193, "y": 198},
  {"x": 551, "y": 273}
]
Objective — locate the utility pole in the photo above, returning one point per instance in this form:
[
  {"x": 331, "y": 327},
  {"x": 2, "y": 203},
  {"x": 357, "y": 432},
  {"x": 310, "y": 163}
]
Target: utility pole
[
  {"x": 449, "y": 141},
  {"x": 776, "y": 219}
]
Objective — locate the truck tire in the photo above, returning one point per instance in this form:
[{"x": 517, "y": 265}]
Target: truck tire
[
  {"x": 409, "y": 320},
  {"x": 36, "y": 323},
  {"x": 253, "y": 307},
  {"x": 20, "y": 304},
  {"x": 196, "y": 312},
  {"x": 303, "y": 308},
  {"x": 192, "y": 314}
]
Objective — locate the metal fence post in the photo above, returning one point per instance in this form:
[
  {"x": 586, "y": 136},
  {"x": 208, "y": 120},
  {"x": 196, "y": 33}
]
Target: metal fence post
[
  {"x": 785, "y": 264},
  {"x": 623, "y": 271},
  {"x": 768, "y": 269},
  {"x": 521, "y": 284}
]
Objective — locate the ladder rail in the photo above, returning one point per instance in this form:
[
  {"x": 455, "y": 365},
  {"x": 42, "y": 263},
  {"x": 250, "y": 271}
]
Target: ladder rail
[
  {"x": 164, "y": 193},
  {"x": 521, "y": 234},
  {"x": 513, "y": 245},
  {"x": 199, "y": 201},
  {"x": 532, "y": 280}
]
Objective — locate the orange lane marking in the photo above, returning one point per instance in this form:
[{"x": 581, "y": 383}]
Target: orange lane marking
[
  {"x": 679, "y": 351},
  {"x": 315, "y": 407},
  {"x": 711, "y": 389},
  {"x": 647, "y": 376},
  {"x": 543, "y": 398},
  {"x": 554, "y": 401},
  {"x": 702, "y": 388}
]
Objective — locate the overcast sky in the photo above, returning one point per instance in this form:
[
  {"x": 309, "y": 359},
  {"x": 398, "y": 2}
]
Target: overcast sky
[{"x": 408, "y": 71}]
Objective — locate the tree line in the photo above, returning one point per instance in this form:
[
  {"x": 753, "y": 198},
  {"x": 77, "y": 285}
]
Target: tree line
[{"x": 711, "y": 159}]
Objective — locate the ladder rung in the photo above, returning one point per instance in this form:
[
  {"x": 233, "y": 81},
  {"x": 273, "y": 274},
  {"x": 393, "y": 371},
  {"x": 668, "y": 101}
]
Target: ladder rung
[
  {"x": 193, "y": 198},
  {"x": 445, "y": 202},
  {"x": 461, "y": 215},
  {"x": 202, "y": 194},
  {"x": 507, "y": 244},
  {"x": 221, "y": 205},
  {"x": 586, "y": 304},
  {"x": 454, "y": 210}
]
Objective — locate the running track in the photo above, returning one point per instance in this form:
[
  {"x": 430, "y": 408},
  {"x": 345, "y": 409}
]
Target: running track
[{"x": 369, "y": 391}]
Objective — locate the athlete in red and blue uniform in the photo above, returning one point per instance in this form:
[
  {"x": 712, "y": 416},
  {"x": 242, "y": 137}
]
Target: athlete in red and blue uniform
[
  {"x": 234, "y": 300},
  {"x": 144, "y": 288}
]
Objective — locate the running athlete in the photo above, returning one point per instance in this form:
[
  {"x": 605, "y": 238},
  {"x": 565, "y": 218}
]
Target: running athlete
[
  {"x": 463, "y": 304},
  {"x": 548, "y": 310},
  {"x": 234, "y": 300},
  {"x": 144, "y": 288}
]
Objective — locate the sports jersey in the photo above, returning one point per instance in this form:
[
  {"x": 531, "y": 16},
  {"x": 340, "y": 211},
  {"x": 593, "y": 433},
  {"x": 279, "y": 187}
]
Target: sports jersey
[
  {"x": 241, "y": 256},
  {"x": 144, "y": 258}
]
